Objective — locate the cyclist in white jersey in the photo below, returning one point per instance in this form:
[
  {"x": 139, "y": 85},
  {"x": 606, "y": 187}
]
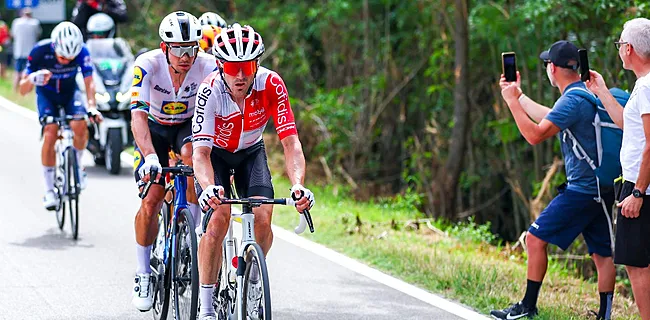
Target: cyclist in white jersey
[
  {"x": 164, "y": 90},
  {"x": 233, "y": 107}
]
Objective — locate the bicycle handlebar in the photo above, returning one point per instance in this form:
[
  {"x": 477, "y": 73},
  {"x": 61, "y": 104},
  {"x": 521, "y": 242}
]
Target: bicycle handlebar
[
  {"x": 305, "y": 216},
  {"x": 182, "y": 170}
]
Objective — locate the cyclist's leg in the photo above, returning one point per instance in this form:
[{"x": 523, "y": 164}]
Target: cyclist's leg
[
  {"x": 253, "y": 179},
  {"x": 46, "y": 113},
  {"x": 183, "y": 145},
  {"x": 210, "y": 253}
]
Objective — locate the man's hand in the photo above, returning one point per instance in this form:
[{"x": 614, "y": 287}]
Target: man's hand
[
  {"x": 503, "y": 83},
  {"x": 304, "y": 197},
  {"x": 596, "y": 83},
  {"x": 631, "y": 206},
  {"x": 40, "y": 77},
  {"x": 510, "y": 91},
  {"x": 94, "y": 115},
  {"x": 211, "y": 197},
  {"x": 150, "y": 161}
]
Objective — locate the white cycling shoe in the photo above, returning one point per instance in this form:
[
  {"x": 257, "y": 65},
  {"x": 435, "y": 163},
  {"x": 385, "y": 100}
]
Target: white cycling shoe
[
  {"x": 51, "y": 200},
  {"x": 143, "y": 292}
]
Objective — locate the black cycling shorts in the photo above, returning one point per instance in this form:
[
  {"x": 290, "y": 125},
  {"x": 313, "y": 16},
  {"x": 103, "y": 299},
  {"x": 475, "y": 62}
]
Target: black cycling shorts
[
  {"x": 252, "y": 174},
  {"x": 632, "y": 246},
  {"x": 163, "y": 138}
]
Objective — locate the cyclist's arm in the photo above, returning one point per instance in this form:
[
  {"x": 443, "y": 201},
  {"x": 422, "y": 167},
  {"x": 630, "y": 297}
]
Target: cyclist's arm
[
  {"x": 202, "y": 165},
  {"x": 90, "y": 92},
  {"x": 140, "y": 110},
  {"x": 294, "y": 159},
  {"x": 285, "y": 126}
]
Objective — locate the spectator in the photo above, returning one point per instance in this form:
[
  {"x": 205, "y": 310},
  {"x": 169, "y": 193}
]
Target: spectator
[
  {"x": 84, "y": 9},
  {"x": 633, "y": 220},
  {"x": 25, "y": 31},
  {"x": 575, "y": 209},
  {"x": 4, "y": 42}
]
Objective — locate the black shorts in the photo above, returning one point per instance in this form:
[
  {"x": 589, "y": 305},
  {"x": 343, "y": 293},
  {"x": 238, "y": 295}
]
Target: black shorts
[
  {"x": 632, "y": 241},
  {"x": 163, "y": 139},
  {"x": 252, "y": 174}
]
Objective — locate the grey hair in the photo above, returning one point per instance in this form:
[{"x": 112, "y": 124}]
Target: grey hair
[{"x": 637, "y": 33}]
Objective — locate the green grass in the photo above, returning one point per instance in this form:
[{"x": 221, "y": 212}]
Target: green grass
[
  {"x": 460, "y": 266},
  {"x": 28, "y": 101}
]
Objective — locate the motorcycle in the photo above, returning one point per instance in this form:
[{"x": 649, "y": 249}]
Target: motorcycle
[{"x": 112, "y": 77}]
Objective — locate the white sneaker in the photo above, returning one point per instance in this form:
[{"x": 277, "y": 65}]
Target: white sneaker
[
  {"x": 143, "y": 292},
  {"x": 82, "y": 178},
  {"x": 51, "y": 200}
]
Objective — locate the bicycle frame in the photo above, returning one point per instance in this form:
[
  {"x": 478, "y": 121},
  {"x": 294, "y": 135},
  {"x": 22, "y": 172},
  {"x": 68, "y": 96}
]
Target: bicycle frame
[{"x": 63, "y": 145}]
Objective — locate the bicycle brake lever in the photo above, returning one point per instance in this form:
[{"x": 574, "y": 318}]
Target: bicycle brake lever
[
  {"x": 145, "y": 190},
  {"x": 206, "y": 219}
]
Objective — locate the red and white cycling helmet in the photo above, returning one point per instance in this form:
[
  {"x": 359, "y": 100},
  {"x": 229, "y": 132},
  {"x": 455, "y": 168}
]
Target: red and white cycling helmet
[{"x": 238, "y": 43}]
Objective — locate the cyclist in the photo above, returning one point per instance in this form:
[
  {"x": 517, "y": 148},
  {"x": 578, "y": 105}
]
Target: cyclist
[
  {"x": 211, "y": 18},
  {"x": 51, "y": 67},
  {"x": 233, "y": 108},
  {"x": 209, "y": 32},
  {"x": 165, "y": 86}
]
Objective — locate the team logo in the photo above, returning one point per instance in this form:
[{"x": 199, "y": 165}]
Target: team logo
[
  {"x": 174, "y": 107},
  {"x": 138, "y": 75},
  {"x": 137, "y": 159}
]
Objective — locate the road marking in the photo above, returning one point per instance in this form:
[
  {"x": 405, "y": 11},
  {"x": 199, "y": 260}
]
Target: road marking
[{"x": 320, "y": 250}]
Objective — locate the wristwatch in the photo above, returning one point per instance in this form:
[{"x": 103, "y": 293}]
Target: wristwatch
[{"x": 637, "y": 193}]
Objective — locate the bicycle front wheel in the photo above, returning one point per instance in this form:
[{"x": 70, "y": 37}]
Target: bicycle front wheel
[
  {"x": 257, "y": 293},
  {"x": 185, "y": 277},
  {"x": 160, "y": 268},
  {"x": 59, "y": 185},
  {"x": 72, "y": 173}
]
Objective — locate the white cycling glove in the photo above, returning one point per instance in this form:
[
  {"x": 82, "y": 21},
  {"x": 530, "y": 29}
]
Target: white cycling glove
[
  {"x": 306, "y": 193},
  {"x": 211, "y": 191},
  {"x": 37, "y": 78},
  {"x": 150, "y": 161}
]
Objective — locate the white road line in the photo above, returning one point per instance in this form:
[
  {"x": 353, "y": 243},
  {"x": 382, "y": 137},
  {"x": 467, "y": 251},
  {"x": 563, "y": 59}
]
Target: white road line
[{"x": 329, "y": 254}]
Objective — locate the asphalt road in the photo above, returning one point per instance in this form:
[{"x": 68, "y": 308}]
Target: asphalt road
[{"x": 44, "y": 274}]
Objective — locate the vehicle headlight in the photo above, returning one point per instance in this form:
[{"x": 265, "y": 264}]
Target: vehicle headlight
[
  {"x": 121, "y": 97},
  {"x": 102, "y": 97}
]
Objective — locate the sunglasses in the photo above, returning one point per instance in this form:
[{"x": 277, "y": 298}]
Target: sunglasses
[
  {"x": 618, "y": 44},
  {"x": 180, "y": 51},
  {"x": 232, "y": 68}
]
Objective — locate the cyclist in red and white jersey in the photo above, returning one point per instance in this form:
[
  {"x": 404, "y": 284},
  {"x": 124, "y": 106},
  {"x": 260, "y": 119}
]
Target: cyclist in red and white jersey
[
  {"x": 233, "y": 106},
  {"x": 163, "y": 98}
]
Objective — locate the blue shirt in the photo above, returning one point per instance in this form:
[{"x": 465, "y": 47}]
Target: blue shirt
[
  {"x": 62, "y": 85},
  {"x": 576, "y": 114}
]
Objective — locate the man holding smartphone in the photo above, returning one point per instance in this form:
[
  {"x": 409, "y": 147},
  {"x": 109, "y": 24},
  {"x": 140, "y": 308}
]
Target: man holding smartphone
[
  {"x": 574, "y": 210},
  {"x": 633, "y": 220}
]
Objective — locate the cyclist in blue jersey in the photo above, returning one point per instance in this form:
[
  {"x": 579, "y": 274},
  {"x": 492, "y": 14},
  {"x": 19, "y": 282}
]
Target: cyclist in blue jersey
[{"x": 51, "y": 67}]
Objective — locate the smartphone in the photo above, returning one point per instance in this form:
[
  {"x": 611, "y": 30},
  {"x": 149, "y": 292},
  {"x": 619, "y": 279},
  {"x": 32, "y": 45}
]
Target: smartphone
[
  {"x": 584, "y": 64},
  {"x": 509, "y": 65}
]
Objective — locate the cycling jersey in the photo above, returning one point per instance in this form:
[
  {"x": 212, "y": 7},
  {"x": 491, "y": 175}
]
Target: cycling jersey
[
  {"x": 219, "y": 122},
  {"x": 62, "y": 86},
  {"x": 153, "y": 91}
]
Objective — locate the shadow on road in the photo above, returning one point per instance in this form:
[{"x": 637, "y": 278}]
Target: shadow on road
[{"x": 53, "y": 239}]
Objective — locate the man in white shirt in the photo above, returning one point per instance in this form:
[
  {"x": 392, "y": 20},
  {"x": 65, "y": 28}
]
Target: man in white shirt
[
  {"x": 25, "y": 32},
  {"x": 633, "y": 222}
]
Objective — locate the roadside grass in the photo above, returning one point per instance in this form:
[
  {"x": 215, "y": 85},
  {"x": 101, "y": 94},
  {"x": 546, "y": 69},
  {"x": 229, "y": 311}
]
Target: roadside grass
[
  {"x": 458, "y": 263},
  {"x": 7, "y": 91}
]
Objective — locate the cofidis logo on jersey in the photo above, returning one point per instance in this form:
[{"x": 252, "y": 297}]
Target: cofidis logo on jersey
[
  {"x": 174, "y": 107},
  {"x": 138, "y": 75}
]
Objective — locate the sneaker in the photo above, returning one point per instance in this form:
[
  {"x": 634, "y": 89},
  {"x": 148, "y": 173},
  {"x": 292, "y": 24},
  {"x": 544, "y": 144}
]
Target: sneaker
[
  {"x": 143, "y": 292},
  {"x": 515, "y": 311},
  {"x": 51, "y": 200},
  {"x": 82, "y": 178}
]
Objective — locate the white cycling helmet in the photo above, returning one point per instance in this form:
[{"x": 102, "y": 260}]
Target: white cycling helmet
[
  {"x": 180, "y": 26},
  {"x": 67, "y": 39},
  {"x": 101, "y": 24},
  {"x": 238, "y": 43},
  {"x": 211, "y": 18}
]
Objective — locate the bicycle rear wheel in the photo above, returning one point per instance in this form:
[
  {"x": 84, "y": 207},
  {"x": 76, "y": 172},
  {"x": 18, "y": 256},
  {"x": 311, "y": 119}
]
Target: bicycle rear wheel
[
  {"x": 72, "y": 173},
  {"x": 161, "y": 269},
  {"x": 185, "y": 279},
  {"x": 257, "y": 294},
  {"x": 222, "y": 300}
]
